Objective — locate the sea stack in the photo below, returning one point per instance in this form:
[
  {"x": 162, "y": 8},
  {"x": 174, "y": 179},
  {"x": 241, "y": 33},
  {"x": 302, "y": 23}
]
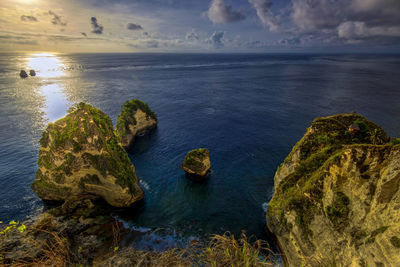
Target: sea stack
[
  {"x": 337, "y": 197},
  {"x": 80, "y": 158},
  {"x": 136, "y": 118},
  {"x": 197, "y": 163},
  {"x": 23, "y": 74}
]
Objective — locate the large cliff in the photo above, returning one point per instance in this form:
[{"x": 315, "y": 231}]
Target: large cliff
[
  {"x": 337, "y": 200},
  {"x": 80, "y": 158}
]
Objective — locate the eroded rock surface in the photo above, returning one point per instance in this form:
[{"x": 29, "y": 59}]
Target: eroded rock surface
[
  {"x": 197, "y": 162},
  {"x": 136, "y": 118},
  {"x": 80, "y": 158},
  {"x": 337, "y": 197}
]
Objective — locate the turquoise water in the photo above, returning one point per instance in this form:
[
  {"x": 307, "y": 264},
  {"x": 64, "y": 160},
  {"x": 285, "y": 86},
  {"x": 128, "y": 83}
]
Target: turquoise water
[{"x": 249, "y": 110}]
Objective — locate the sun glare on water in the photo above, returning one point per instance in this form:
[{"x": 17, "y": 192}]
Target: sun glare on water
[{"x": 46, "y": 65}]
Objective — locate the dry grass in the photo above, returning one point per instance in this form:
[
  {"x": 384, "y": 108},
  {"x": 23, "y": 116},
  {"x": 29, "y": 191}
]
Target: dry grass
[
  {"x": 225, "y": 250},
  {"x": 54, "y": 252},
  {"x": 220, "y": 251}
]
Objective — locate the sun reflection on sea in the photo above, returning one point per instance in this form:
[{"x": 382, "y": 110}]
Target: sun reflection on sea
[
  {"x": 50, "y": 71},
  {"x": 46, "y": 65}
]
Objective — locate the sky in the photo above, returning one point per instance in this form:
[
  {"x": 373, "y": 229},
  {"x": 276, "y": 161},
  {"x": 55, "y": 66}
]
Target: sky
[{"x": 265, "y": 26}]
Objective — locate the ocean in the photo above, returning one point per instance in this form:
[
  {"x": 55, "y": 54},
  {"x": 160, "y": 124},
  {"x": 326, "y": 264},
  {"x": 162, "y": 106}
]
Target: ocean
[{"x": 248, "y": 109}]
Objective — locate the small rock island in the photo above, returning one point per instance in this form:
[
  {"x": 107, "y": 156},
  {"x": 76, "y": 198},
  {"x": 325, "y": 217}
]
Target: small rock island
[
  {"x": 32, "y": 73},
  {"x": 136, "y": 118},
  {"x": 337, "y": 197},
  {"x": 80, "y": 157},
  {"x": 23, "y": 74},
  {"x": 197, "y": 163}
]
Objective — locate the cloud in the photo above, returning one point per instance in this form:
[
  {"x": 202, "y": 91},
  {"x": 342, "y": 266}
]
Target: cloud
[
  {"x": 359, "y": 30},
  {"x": 192, "y": 36},
  {"x": 268, "y": 19},
  {"x": 96, "y": 27},
  {"x": 134, "y": 27},
  {"x": 151, "y": 44},
  {"x": 29, "y": 18},
  {"x": 57, "y": 20},
  {"x": 221, "y": 13},
  {"x": 292, "y": 41},
  {"x": 317, "y": 14},
  {"x": 145, "y": 44},
  {"x": 216, "y": 39},
  {"x": 353, "y": 21}
]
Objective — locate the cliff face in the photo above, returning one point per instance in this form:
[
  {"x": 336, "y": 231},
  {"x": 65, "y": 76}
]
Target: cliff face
[
  {"x": 80, "y": 158},
  {"x": 136, "y": 118},
  {"x": 337, "y": 197}
]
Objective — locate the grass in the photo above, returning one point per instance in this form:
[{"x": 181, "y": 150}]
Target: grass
[{"x": 220, "y": 250}]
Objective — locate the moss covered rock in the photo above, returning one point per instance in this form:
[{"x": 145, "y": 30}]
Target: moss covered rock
[
  {"x": 80, "y": 157},
  {"x": 136, "y": 118},
  {"x": 197, "y": 162},
  {"x": 337, "y": 195}
]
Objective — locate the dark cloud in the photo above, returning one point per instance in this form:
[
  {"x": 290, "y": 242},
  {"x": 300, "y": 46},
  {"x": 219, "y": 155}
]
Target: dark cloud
[
  {"x": 96, "y": 27},
  {"x": 221, "y": 13},
  {"x": 84, "y": 34},
  {"x": 217, "y": 39},
  {"x": 29, "y": 18},
  {"x": 134, "y": 27},
  {"x": 151, "y": 44},
  {"x": 293, "y": 41},
  {"x": 192, "y": 36},
  {"x": 57, "y": 20},
  {"x": 267, "y": 17}
]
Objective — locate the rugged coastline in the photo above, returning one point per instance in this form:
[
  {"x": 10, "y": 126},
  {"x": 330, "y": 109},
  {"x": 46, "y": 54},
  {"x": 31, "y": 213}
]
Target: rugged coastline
[{"x": 336, "y": 200}]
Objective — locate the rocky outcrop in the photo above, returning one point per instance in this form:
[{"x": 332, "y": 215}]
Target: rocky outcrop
[
  {"x": 77, "y": 233},
  {"x": 136, "y": 118},
  {"x": 23, "y": 74},
  {"x": 197, "y": 162},
  {"x": 80, "y": 158},
  {"x": 337, "y": 200}
]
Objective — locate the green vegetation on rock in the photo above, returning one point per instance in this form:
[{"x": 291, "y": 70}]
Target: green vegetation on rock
[
  {"x": 322, "y": 145},
  {"x": 339, "y": 210},
  {"x": 83, "y": 140},
  {"x": 197, "y": 162},
  {"x": 126, "y": 117}
]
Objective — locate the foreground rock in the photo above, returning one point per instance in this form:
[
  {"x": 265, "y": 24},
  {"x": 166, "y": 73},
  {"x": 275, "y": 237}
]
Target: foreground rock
[
  {"x": 80, "y": 158},
  {"x": 136, "y": 118},
  {"x": 197, "y": 162},
  {"x": 337, "y": 198},
  {"x": 77, "y": 232}
]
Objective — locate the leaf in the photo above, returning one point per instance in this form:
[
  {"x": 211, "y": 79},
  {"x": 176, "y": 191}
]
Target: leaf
[
  {"x": 115, "y": 249},
  {"x": 12, "y": 223},
  {"x": 22, "y": 228}
]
